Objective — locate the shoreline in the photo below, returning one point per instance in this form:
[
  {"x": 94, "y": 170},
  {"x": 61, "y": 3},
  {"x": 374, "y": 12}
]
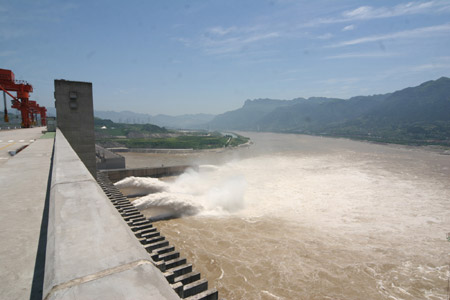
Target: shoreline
[
  {"x": 436, "y": 148},
  {"x": 176, "y": 151}
]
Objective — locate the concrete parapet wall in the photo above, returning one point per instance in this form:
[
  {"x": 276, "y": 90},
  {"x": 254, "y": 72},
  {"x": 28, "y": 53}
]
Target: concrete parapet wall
[{"x": 91, "y": 252}]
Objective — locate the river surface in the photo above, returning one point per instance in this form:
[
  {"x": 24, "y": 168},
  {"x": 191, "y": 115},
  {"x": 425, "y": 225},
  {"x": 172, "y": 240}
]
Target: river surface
[{"x": 301, "y": 217}]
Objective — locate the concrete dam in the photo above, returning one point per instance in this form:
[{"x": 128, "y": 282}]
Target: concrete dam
[
  {"x": 82, "y": 239},
  {"x": 68, "y": 232}
]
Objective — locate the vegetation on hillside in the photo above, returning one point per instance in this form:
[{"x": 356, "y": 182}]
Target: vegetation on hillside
[
  {"x": 110, "y": 134},
  {"x": 417, "y": 116},
  {"x": 107, "y": 128}
]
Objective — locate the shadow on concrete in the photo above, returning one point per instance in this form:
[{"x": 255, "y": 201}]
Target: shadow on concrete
[{"x": 39, "y": 266}]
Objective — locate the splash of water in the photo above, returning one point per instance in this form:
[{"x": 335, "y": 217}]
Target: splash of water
[
  {"x": 208, "y": 191},
  {"x": 138, "y": 186}
]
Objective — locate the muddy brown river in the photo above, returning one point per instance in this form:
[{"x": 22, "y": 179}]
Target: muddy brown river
[{"x": 301, "y": 217}]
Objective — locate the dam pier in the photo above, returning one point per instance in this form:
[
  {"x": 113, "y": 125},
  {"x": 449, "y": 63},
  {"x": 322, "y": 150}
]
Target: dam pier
[{"x": 67, "y": 231}]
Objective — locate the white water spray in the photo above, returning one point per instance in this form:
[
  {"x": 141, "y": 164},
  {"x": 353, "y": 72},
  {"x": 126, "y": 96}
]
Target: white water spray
[
  {"x": 208, "y": 191},
  {"x": 140, "y": 186}
]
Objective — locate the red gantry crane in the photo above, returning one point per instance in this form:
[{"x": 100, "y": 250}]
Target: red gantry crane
[{"x": 22, "y": 102}]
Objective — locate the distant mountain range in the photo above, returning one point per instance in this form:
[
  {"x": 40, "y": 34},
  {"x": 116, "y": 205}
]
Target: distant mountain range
[
  {"x": 188, "y": 121},
  {"x": 415, "y": 115},
  {"x": 418, "y": 114}
]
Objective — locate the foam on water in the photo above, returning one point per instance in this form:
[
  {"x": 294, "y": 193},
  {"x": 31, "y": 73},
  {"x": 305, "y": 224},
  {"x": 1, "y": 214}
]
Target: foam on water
[
  {"x": 340, "y": 224},
  {"x": 141, "y": 185},
  {"x": 194, "y": 192},
  {"x": 175, "y": 204}
]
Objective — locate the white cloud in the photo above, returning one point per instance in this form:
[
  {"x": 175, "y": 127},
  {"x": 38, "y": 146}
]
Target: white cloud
[
  {"x": 220, "y": 31},
  {"x": 235, "y": 43},
  {"x": 348, "y": 28},
  {"x": 414, "y": 33},
  {"x": 325, "y": 36},
  {"x": 442, "y": 62},
  {"x": 431, "y": 66},
  {"x": 369, "y": 12},
  {"x": 340, "y": 80},
  {"x": 358, "y": 12},
  {"x": 220, "y": 40},
  {"x": 361, "y": 55}
]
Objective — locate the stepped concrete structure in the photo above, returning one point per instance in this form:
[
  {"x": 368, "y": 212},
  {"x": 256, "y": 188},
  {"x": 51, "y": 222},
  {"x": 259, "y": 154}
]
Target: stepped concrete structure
[
  {"x": 66, "y": 235},
  {"x": 61, "y": 236}
]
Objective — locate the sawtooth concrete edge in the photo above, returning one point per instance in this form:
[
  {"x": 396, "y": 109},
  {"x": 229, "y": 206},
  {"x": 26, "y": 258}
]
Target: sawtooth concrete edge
[{"x": 91, "y": 253}]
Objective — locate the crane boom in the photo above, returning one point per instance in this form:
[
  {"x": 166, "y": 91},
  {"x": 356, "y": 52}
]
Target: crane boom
[{"x": 22, "y": 102}]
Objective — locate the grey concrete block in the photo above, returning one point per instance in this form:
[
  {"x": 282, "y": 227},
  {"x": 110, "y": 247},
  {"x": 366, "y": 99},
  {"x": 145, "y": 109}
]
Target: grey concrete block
[
  {"x": 152, "y": 240},
  {"x": 169, "y": 276},
  {"x": 144, "y": 225},
  {"x": 75, "y": 113},
  {"x": 142, "y": 232},
  {"x": 211, "y": 294},
  {"x": 195, "y": 288},
  {"x": 169, "y": 256},
  {"x": 178, "y": 288},
  {"x": 182, "y": 270},
  {"x": 187, "y": 278},
  {"x": 150, "y": 235},
  {"x": 155, "y": 246},
  {"x": 135, "y": 218},
  {"x": 175, "y": 263}
]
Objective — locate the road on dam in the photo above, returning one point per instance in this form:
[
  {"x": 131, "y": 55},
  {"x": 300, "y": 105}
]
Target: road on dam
[
  {"x": 23, "y": 186},
  {"x": 11, "y": 140}
]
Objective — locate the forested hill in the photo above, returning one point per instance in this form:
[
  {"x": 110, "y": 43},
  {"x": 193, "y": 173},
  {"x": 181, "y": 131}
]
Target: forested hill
[{"x": 415, "y": 115}]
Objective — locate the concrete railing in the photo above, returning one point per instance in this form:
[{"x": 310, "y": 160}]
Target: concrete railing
[{"x": 91, "y": 253}]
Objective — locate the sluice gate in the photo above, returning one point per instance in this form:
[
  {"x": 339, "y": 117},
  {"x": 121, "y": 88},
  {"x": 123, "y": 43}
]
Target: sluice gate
[{"x": 187, "y": 283}]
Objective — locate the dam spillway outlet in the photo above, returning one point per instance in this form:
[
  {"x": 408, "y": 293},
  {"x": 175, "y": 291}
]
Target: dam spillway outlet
[{"x": 187, "y": 283}]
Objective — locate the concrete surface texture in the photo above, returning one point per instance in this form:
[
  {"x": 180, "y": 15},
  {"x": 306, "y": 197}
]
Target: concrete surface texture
[
  {"x": 23, "y": 186},
  {"x": 11, "y": 140},
  {"x": 75, "y": 118},
  {"x": 108, "y": 160},
  {"x": 91, "y": 252}
]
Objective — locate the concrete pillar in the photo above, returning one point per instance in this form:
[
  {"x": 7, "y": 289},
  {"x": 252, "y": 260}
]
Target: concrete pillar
[{"x": 75, "y": 115}]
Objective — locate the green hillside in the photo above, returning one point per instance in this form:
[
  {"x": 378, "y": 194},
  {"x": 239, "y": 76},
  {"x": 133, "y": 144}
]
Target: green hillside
[{"x": 416, "y": 115}]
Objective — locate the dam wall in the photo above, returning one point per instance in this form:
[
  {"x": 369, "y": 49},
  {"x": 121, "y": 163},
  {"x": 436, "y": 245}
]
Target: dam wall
[
  {"x": 91, "y": 253},
  {"x": 118, "y": 174},
  {"x": 107, "y": 159}
]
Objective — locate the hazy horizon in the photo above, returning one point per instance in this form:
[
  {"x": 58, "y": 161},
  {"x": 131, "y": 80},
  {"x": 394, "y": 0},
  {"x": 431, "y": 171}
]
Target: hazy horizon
[
  {"x": 188, "y": 57},
  {"x": 242, "y": 104}
]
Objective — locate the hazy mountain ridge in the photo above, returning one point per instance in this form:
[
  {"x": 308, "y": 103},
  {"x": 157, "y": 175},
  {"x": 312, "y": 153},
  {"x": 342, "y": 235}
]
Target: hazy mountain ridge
[
  {"x": 417, "y": 113},
  {"x": 314, "y": 115},
  {"x": 251, "y": 115},
  {"x": 188, "y": 121}
]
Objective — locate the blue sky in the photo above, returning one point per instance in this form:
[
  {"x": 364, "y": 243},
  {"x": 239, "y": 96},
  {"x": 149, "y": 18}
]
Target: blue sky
[{"x": 177, "y": 57}]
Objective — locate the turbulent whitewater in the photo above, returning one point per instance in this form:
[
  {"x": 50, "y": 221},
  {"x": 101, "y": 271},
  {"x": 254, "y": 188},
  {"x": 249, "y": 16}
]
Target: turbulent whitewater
[
  {"x": 194, "y": 192},
  {"x": 298, "y": 217}
]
